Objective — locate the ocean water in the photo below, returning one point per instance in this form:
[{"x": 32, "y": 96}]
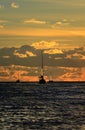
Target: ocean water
[{"x": 51, "y": 106}]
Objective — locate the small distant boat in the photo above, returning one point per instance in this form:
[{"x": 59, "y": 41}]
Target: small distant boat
[
  {"x": 50, "y": 81},
  {"x": 50, "y": 78},
  {"x": 41, "y": 78},
  {"x": 17, "y": 81}
]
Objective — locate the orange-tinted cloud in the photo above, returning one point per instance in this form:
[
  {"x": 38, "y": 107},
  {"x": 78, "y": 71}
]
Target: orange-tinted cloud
[
  {"x": 73, "y": 74},
  {"x": 45, "y": 44},
  {"x": 34, "y": 21},
  {"x": 53, "y": 51},
  {"x": 19, "y": 54},
  {"x": 30, "y": 53}
]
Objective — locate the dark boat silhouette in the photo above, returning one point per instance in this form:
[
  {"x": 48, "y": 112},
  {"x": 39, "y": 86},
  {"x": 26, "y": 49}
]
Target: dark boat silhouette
[
  {"x": 41, "y": 78},
  {"x": 17, "y": 81},
  {"x": 50, "y": 81}
]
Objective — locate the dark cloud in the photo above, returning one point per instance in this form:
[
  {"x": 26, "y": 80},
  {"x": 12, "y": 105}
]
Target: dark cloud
[{"x": 29, "y": 56}]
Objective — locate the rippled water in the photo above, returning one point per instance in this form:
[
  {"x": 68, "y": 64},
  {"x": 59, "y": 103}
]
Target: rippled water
[{"x": 30, "y": 106}]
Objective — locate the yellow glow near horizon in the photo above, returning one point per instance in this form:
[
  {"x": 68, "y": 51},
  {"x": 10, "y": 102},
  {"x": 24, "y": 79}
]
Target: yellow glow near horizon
[{"x": 42, "y": 32}]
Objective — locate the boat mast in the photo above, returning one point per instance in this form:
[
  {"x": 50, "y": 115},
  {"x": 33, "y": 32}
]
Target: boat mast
[
  {"x": 42, "y": 80},
  {"x": 42, "y": 65}
]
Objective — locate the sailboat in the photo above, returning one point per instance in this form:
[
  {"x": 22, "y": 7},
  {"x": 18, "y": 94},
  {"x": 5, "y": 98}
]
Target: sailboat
[
  {"x": 41, "y": 78},
  {"x": 18, "y": 80}
]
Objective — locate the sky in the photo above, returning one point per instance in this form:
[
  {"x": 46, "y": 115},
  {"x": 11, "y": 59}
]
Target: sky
[
  {"x": 42, "y": 17},
  {"x": 56, "y": 26}
]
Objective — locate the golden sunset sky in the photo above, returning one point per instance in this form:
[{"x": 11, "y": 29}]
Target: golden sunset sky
[
  {"x": 42, "y": 17},
  {"x": 56, "y": 26}
]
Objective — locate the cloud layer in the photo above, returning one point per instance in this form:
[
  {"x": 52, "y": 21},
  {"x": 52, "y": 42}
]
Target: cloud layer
[{"x": 64, "y": 65}]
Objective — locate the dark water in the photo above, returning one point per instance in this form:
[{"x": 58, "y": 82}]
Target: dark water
[{"x": 30, "y": 106}]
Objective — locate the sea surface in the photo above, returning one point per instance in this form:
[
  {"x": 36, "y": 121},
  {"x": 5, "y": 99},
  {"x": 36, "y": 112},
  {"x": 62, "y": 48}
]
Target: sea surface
[{"x": 51, "y": 106}]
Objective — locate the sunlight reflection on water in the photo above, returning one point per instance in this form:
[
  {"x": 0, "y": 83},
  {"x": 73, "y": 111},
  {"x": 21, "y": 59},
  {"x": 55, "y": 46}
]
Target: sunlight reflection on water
[{"x": 83, "y": 127}]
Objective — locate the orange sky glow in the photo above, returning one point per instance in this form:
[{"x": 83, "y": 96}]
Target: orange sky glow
[{"x": 43, "y": 32}]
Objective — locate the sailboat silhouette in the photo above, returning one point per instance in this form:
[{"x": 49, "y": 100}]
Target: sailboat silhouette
[
  {"x": 41, "y": 78},
  {"x": 18, "y": 80}
]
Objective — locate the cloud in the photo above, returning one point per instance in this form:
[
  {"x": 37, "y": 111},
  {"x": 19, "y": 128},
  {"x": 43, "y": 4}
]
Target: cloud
[
  {"x": 45, "y": 44},
  {"x": 75, "y": 56},
  {"x": 1, "y": 6},
  {"x": 6, "y": 57},
  {"x": 53, "y": 56},
  {"x": 73, "y": 74},
  {"x": 30, "y": 53},
  {"x": 25, "y": 51},
  {"x": 34, "y": 21},
  {"x": 14, "y": 5},
  {"x": 23, "y": 55},
  {"x": 1, "y": 26},
  {"x": 53, "y": 51},
  {"x": 11, "y": 72},
  {"x": 77, "y": 53},
  {"x": 16, "y": 53},
  {"x": 3, "y": 74},
  {"x": 62, "y": 23},
  {"x": 2, "y": 23}
]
